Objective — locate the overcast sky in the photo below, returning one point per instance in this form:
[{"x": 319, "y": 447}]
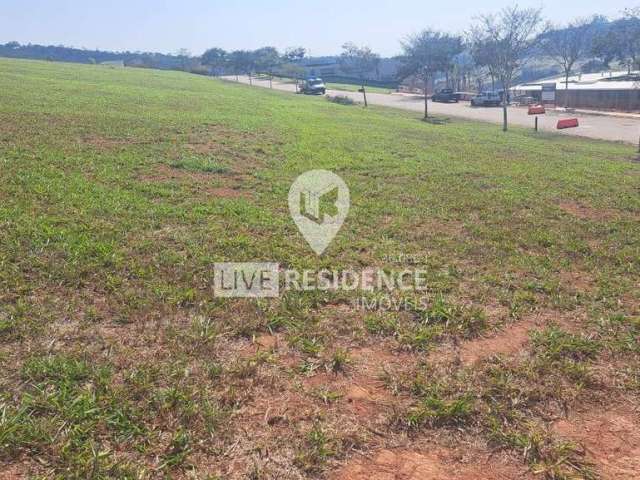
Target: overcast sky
[{"x": 321, "y": 26}]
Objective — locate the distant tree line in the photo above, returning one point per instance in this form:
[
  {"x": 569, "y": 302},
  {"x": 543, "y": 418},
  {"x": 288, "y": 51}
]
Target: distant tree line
[
  {"x": 61, "y": 53},
  {"x": 265, "y": 60}
]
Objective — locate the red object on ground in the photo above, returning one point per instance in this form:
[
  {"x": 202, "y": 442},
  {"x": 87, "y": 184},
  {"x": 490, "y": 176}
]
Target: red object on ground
[
  {"x": 537, "y": 110},
  {"x": 567, "y": 123}
]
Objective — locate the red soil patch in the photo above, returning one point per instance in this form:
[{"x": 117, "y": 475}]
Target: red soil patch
[
  {"x": 267, "y": 342},
  {"x": 361, "y": 388},
  {"x": 376, "y": 358},
  {"x": 585, "y": 212},
  {"x": 10, "y": 474},
  {"x": 436, "y": 464},
  {"x": 367, "y": 396},
  {"x": 358, "y": 394},
  {"x": 576, "y": 280},
  {"x": 611, "y": 439},
  {"x": 508, "y": 341},
  {"x": 199, "y": 181}
]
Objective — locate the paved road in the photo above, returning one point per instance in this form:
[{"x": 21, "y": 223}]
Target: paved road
[{"x": 592, "y": 126}]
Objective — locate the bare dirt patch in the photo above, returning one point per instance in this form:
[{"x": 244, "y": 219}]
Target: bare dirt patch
[
  {"x": 205, "y": 182},
  {"x": 361, "y": 389},
  {"x": 611, "y": 439},
  {"x": 438, "y": 463},
  {"x": 246, "y": 149},
  {"x": 431, "y": 227},
  {"x": 585, "y": 212},
  {"x": 579, "y": 281},
  {"x": 267, "y": 342},
  {"x": 357, "y": 394},
  {"x": 13, "y": 472},
  {"x": 102, "y": 143},
  {"x": 214, "y": 158},
  {"x": 215, "y": 138},
  {"x": 508, "y": 341}
]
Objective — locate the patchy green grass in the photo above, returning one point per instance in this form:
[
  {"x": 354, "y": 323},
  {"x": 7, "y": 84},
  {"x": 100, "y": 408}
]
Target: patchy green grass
[{"x": 121, "y": 187}]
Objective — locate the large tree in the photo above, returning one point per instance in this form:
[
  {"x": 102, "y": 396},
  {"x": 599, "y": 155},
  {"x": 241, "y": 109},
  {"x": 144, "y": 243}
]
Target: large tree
[
  {"x": 291, "y": 67},
  {"x": 294, "y": 54},
  {"x": 623, "y": 39},
  {"x": 266, "y": 60},
  {"x": 216, "y": 58},
  {"x": 185, "y": 59},
  {"x": 359, "y": 61},
  {"x": 568, "y": 45},
  {"x": 484, "y": 56},
  {"x": 510, "y": 35},
  {"x": 241, "y": 62},
  {"x": 426, "y": 54}
]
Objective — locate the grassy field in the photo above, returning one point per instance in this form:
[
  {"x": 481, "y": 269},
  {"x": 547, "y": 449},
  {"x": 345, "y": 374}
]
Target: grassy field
[{"x": 121, "y": 187}]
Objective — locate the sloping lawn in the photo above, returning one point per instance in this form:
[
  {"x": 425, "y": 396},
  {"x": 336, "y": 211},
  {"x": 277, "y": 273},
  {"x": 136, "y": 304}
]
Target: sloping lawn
[{"x": 120, "y": 188}]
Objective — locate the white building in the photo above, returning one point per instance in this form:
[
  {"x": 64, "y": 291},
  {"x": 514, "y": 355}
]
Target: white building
[{"x": 605, "y": 90}]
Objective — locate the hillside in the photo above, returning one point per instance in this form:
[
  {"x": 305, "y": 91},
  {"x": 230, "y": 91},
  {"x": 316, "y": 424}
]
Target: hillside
[{"x": 122, "y": 187}]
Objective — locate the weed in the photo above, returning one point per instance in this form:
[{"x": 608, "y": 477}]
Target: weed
[
  {"x": 381, "y": 325},
  {"x": 435, "y": 411},
  {"x": 178, "y": 451},
  {"x": 339, "y": 361},
  {"x": 340, "y": 99},
  {"x": 318, "y": 448},
  {"x": 200, "y": 164}
]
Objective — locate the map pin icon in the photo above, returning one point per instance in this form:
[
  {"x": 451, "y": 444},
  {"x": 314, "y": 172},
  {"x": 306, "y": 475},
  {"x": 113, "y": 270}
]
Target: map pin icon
[{"x": 319, "y": 203}]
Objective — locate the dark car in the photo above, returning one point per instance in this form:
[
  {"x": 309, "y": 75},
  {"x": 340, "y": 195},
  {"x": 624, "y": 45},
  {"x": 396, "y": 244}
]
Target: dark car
[
  {"x": 446, "y": 95},
  {"x": 313, "y": 86}
]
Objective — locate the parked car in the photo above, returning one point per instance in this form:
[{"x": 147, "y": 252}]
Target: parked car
[
  {"x": 487, "y": 99},
  {"x": 524, "y": 100},
  {"x": 313, "y": 86},
  {"x": 446, "y": 95}
]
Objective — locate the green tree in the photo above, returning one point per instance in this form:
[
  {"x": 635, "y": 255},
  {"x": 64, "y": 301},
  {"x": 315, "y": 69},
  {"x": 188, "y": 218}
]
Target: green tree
[
  {"x": 568, "y": 45},
  {"x": 185, "y": 59},
  {"x": 291, "y": 63},
  {"x": 510, "y": 36},
  {"x": 266, "y": 59},
  {"x": 359, "y": 61},
  {"x": 241, "y": 62},
  {"x": 625, "y": 38},
  {"x": 216, "y": 58},
  {"x": 426, "y": 54}
]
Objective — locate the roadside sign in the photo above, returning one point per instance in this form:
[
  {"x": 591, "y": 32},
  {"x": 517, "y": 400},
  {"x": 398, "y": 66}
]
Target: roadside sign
[
  {"x": 549, "y": 92},
  {"x": 536, "y": 110}
]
